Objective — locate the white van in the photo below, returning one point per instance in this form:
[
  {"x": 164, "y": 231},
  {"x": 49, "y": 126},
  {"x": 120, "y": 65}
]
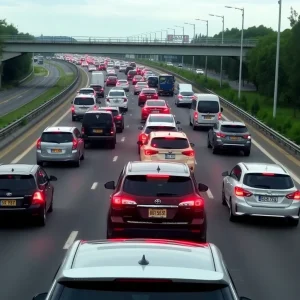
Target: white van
[
  {"x": 97, "y": 83},
  {"x": 205, "y": 110},
  {"x": 184, "y": 94}
]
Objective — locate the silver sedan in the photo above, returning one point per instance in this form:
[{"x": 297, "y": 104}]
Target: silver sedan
[{"x": 124, "y": 84}]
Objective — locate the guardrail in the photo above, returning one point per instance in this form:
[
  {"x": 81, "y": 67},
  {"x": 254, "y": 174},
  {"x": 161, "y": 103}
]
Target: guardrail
[
  {"x": 271, "y": 133},
  {"x": 22, "y": 80},
  {"x": 125, "y": 40},
  {"x": 11, "y": 128}
]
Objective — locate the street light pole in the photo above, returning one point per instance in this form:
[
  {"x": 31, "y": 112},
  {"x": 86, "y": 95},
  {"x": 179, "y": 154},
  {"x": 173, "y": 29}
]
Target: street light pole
[
  {"x": 194, "y": 37},
  {"x": 221, "y": 65},
  {"x": 182, "y": 27},
  {"x": 277, "y": 61},
  {"x": 206, "y": 43},
  {"x": 241, "y": 54}
]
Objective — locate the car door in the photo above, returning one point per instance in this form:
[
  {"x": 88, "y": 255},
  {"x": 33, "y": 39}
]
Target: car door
[
  {"x": 233, "y": 178},
  {"x": 192, "y": 110},
  {"x": 212, "y": 134},
  {"x": 80, "y": 140},
  {"x": 45, "y": 186}
]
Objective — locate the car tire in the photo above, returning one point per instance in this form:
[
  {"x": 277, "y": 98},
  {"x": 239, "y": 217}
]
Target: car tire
[
  {"x": 73, "y": 119},
  {"x": 247, "y": 153},
  {"x": 223, "y": 197},
  {"x": 232, "y": 217},
  {"x": 139, "y": 150},
  {"x": 208, "y": 143},
  {"x": 194, "y": 127},
  {"x": 82, "y": 156},
  {"x": 215, "y": 150},
  {"x": 172, "y": 94},
  {"x": 41, "y": 219},
  {"x": 113, "y": 144},
  {"x": 77, "y": 163}
]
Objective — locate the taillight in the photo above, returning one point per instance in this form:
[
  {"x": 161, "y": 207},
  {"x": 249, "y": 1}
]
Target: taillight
[
  {"x": 150, "y": 152},
  {"x": 155, "y": 96},
  {"x": 195, "y": 203},
  {"x": 112, "y": 131},
  {"x": 75, "y": 144},
  {"x": 73, "y": 108},
  {"x": 95, "y": 107},
  {"x": 144, "y": 138},
  {"x": 195, "y": 115},
  {"x": 294, "y": 195},
  {"x": 247, "y": 136},
  {"x": 241, "y": 192},
  {"x": 38, "y": 144},
  {"x": 180, "y": 97},
  {"x": 37, "y": 198},
  {"x": 166, "y": 110},
  {"x": 145, "y": 109},
  {"x": 220, "y": 135},
  {"x": 189, "y": 153},
  {"x": 119, "y": 117},
  {"x": 82, "y": 130},
  {"x": 119, "y": 201},
  {"x": 125, "y": 99},
  {"x": 194, "y": 98},
  {"x": 219, "y": 116},
  {"x": 141, "y": 95}
]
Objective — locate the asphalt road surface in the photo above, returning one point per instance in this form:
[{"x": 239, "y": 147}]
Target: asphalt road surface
[{"x": 262, "y": 255}]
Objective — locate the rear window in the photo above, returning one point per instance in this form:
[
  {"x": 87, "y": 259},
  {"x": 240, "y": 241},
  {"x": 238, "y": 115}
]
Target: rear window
[
  {"x": 138, "y": 77},
  {"x": 163, "y": 119},
  {"x": 141, "y": 83},
  {"x": 57, "y": 137},
  {"x": 116, "y": 94},
  {"x": 112, "y": 78},
  {"x": 159, "y": 128},
  {"x": 212, "y": 107},
  {"x": 166, "y": 79},
  {"x": 16, "y": 182},
  {"x": 113, "y": 111},
  {"x": 272, "y": 182},
  {"x": 95, "y": 119},
  {"x": 149, "y": 91},
  {"x": 141, "y": 185},
  {"x": 152, "y": 79},
  {"x": 123, "y": 81},
  {"x": 86, "y": 92},
  {"x": 187, "y": 93},
  {"x": 234, "y": 128},
  {"x": 84, "y": 101},
  {"x": 155, "y": 103},
  {"x": 169, "y": 143},
  {"x": 132, "y": 72}
]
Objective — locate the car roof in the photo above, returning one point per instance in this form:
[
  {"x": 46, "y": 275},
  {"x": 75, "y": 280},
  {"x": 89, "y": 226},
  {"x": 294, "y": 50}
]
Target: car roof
[
  {"x": 175, "y": 260},
  {"x": 160, "y": 115},
  {"x": 166, "y": 134},
  {"x": 18, "y": 169},
  {"x": 207, "y": 97},
  {"x": 263, "y": 168},
  {"x": 59, "y": 128},
  {"x": 232, "y": 123}
]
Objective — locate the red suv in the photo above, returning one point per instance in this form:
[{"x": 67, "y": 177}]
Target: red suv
[
  {"x": 157, "y": 200},
  {"x": 147, "y": 94}
]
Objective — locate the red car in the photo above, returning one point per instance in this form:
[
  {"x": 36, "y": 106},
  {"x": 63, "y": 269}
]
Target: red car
[
  {"x": 147, "y": 94},
  {"x": 144, "y": 70},
  {"x": 111, "y": 81},
  {"x": 136, "y": 79},
  {"x": 139, "y": 70},
  {"x": 154, "y": 107},
  {"x": 102, "y": 67}
]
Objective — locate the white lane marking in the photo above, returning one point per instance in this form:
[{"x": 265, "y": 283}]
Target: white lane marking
[
  {"x": 94, "y": 186},
  {"x": 196, "y": 162},
  {"x": 127, "y": 126},
  {"x": 130, "y": 115},
  {"x": 115, "y": 158},
  {"x": 70, "y": 240},
  {"x": 123, "y": 139},
  {"x": 266, "y": 153},
  {"x": 19, "y": 97},
  {"x": 209, "y": 194},
  {"x": 88, "y": 79}
]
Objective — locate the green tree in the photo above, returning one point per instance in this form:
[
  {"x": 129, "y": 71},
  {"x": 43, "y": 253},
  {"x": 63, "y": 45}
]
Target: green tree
[{"x": 294, "y": 17}]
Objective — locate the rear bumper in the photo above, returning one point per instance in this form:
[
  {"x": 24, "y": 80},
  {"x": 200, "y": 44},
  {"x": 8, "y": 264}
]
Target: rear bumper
[
  {"x": 74, "y": 156},
  {"x": 184, "y": 101},
  {"x": 226, "y": 146},
  {"x": 78, "y": 114},
  {"x": 98, "y": 138},
  {"x": 205, "y": 124},
  {"x": 32, "y": 211}
]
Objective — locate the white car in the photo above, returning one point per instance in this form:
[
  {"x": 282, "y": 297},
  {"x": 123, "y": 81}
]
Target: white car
[
  {"x": 199, "y": 71},
  {"x": 92, "y": 68},
  {"x": 117, "y": 97},
  {"x": 169, "y": 64}
]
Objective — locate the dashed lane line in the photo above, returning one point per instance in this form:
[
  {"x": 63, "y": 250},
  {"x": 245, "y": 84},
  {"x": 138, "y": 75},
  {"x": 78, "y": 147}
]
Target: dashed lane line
[
  {"x": 115, "y": 158},
  {"x": 70, "y": 240},
  {"x": 94, "y": 185},
  {"x": 123, "y": 139},
  {"x": 209, "y": 194}
]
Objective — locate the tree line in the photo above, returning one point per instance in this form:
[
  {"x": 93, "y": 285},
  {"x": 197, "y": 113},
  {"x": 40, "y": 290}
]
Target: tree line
[{"x": 16, "y": 68}]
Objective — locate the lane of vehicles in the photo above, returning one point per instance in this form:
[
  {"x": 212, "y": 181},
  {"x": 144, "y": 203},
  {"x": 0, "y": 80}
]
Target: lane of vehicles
[{"x": 154, "y": 199}]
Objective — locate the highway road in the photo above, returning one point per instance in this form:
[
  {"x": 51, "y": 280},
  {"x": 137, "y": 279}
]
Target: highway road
[
  {"x": 262, "y": 255},
  {"x": 16, "y": 97}
]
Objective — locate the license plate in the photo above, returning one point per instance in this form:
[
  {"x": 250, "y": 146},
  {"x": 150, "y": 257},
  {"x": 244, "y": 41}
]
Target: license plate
[
  {"x": 98, "y": 130},
  {"x": 234, "y": 138},
  {"x": 155, "y": 111},
  {"x": 8, "y": 202},
  {"x": 208, "y": 117},
  {"x": 148, "y": 97},
  {"x": 169, "y": 156},
  {"x": 268, "y": 199},
  {"x": 157, "y": 213},
  {"x": 116, "y": 101},
  {"x": 56, "y": 150}
]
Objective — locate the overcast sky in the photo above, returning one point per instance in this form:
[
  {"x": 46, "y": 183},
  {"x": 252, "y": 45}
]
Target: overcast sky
[{"x": 122, "y": 18}]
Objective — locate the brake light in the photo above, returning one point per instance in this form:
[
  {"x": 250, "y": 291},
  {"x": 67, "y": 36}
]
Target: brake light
[
  {"x": 180, "y": 97},
  {"x": 194, "y": 97},
  {"x": 219, "y": 116},
  {"x": 144, "y": 138},
  {"x": 150, "y": 152},
  {"x": 241, "y": 192},
  {"x": 220, "y": 135},
  {"x": 75, "y": 144},
  {"x": 195, "y": 115},
  {"x": 112, "y": 131},
  {"x": 73, "y": 108},
  {"x": 294, "y": 196},
  {"x": 195, "y": 203},
  {"x": 268, "y": 174},
  {"x": 118, "y": 201},
  {"x": 157, "y": 176},
  {"x": 166, "y": 109},
  {"x": 37, "y": 198},
  {"x": 189, "y": 153},
  {"x": 247, "y": 136},
  {"x": 95, "y": 107},
  {"x": 82, "y": 130},
  {"x": 38, "y": 144},
  {"x": 145, "y": 109},
  {"x": 118, "y": 83},
  {"x": 119, "y": 117}
]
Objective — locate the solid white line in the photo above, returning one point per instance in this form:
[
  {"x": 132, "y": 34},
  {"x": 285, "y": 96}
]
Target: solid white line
[
  {"x": 123, "y": 139},
  {"x": 115, "y": 158},
  {"x": 209, "y": 194},
  {"x": 265, "y": 152},
  {"x": 19, "y": 97},
  {"x": 94, "y": 186},
  {"x": 70, "y": 240}
]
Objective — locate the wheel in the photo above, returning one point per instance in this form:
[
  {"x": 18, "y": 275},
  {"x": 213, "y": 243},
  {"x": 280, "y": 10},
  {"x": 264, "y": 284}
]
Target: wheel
[
  {"x": 121, "y": 130},
  {"x": 110, "y": 234},
  {"x": 208, "y": 143},
  {"x": 293, "y": 222},
  {"x": 86, "y": 145},
  {"x": 223, "y": 196},
  {"x": 214, "y": 150},
  {"x": 139, "y": 149},
  {"x": 232, "y": 217},
  {"x": 50, "y": 210},
  {"x": 194, "y": 127},
  {"x": 113, "y": 144},
  {"x": 42, "y": 218},
  {"x": 246, "y": 152},
  {"x": 77, "y": 163},
  {"x": 191, "y": 124},
  {"x": 172, "y": 94}
]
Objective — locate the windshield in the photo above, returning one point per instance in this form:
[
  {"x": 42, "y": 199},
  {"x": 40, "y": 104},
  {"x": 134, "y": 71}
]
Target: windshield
[
  {"x": 94, "y": 119},
  {"x": 169, "y": 143},
  {"x": 57, "y": 137},
  {"x": 272, "y": 182},
  {"x": 234, "y": 128},
  {"x": 116, "y": 94},
  {"x": 159, "y": 128},
  {"x": 16, "y": 182},
  {"x": 155, "y": 103},
  {"x": 208, "y": 107},
  {"x": 162, "y": 119},
  {"x": 166, "y": 79},
  {"x": 84, "y": 101}
]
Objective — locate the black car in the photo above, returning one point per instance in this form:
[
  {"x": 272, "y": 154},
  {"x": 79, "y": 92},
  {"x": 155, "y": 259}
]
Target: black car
[
  {"x": 26, "y": 190},
  {"x": 132, "y": 64},
  {"x": 129, "y": 68},
  {"x": 99, "y": 126},
  {"x": 99, "y": 90},
  {"x": 118, "y": 116},
  {"x": 156, "y": 200}
]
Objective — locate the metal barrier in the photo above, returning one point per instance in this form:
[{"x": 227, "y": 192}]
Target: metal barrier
[
  {"x": 11, "y": 128},
  {"x": 271, "y": 133}
]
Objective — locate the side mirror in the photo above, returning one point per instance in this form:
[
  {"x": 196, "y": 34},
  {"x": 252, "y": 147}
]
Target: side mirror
[
  {"x": 225, "y": 173},
  {"x": 192, "y": 145},
  {"x": 202, "y": 187},
  {"x": 139, "y": 143},
  {"x": 41, "y": 296},
  {"x": 178, "y": 122},
  {"x": 110, "y": 185},
  {"x": 52, "y": 178},
  {"x": 140, "y": 127},
  {"x": 221, "y": 109}
]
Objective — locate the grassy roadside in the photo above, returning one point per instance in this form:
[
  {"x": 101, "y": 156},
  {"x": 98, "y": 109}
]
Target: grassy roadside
[
  {"x": 287, "y": 121},
  {"x": 64, "y": 81}
]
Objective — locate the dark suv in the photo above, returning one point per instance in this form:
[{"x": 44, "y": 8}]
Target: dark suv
[
  {"x": 99, "y": 126},
  {"x": 26, "y": 190},
  {"x": 131, "y": 74},
  {"x": 157, "y": 200}
]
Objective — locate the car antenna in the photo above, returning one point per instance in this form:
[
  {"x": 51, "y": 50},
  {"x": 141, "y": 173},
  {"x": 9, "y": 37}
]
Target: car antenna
[{"x": 144, "y": 261}]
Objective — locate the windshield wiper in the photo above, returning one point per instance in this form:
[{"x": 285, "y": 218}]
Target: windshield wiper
[{"x": 165, "y": 194}]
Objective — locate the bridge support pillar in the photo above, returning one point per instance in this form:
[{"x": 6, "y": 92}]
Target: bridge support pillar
[{"x": 1, "y": 68}]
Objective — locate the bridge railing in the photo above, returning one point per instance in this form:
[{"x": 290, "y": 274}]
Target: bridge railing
[{"x": 124, "y": 40}]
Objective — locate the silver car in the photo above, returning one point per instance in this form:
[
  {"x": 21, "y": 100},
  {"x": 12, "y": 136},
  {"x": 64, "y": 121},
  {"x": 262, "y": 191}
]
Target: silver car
[
  {"x": 142, "y": 269},
  {"x": 260, "y": 189},
  {"x": 124, "y": 84},
  {"x": 139, "y": 86},
  {"x": 60, "y": 144},
  {"x": 81, "y": 104},
  {"x": 122, "y": 68}
]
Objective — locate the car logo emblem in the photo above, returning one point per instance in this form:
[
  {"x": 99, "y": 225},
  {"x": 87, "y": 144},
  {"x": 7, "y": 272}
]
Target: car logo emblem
[
  {"x": 97, "y": 116},
  {"x": 8, "y": 194},
  {"x": 269, "y": 192},
  {"x": 157, "y": 201}
]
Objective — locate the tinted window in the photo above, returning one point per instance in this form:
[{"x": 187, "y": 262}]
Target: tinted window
[
  {"x": 116, "y": 94},
  {"x": 208, "y": 107},
  {"x": 84, "y": 101},
  {"x": 57, "y": 137},
  {"x": 234, "y": 128},
  {"x": 95, "y": 119},
  {"x": 113, "y": 78},
  {"x": 159, "y": 128},
  {"x": 166, "y": 79},
  {"x": 276, "y": 182},
  {"x": 143, "y": 186},
  {"x": 133, "y": 73},
  {"x": 170, "y": 143},
  {"x": 158, "y": 118},
  {"x": 149, "y": 91},
  {"x": 187, "y": 93},
  {"x": 155, "y": 103},
  {"x": 113, "y": 111},
  {"x": 16, "y": 182},
  {"x": 153, "y": 79}
]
